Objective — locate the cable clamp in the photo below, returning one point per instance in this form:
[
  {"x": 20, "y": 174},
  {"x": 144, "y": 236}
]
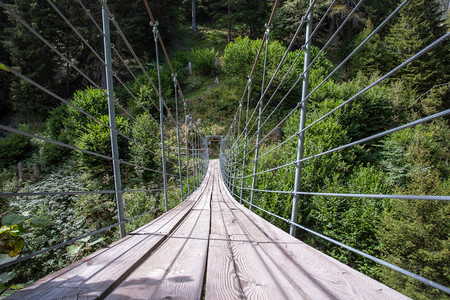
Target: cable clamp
[
  {"x": 155, "y": 29},
  {"x": 267, "y": 33},
  {"x": 111, "y": 17}
]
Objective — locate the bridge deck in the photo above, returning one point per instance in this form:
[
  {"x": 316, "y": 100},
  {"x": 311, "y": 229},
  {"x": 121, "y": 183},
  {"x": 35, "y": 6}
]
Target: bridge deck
[{"x": 209, "y": 246}]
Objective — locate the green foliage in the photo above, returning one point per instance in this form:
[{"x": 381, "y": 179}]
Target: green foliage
[
  {"x": 13, "y": 148},
  {"x": 6, "y": 288},
  {"x": 50, "y": 154},
  {"x": 413, "y": 234},
  {"x": 372, "y": 57},
  {"x": 82, "y": 246},
  {"x": 90, "y": 100},
  {"x": 97, "y": 139},
  {"x": 11, "y": 233},
  {"x": 417, "y": 27},
  {"x": 204, "y": 61},
  {"x": 239, "y": 56},
  {"x": 145, "y": 131},
  {"x": 352, "y": 221},
  {"x": 141, "y": 202}
]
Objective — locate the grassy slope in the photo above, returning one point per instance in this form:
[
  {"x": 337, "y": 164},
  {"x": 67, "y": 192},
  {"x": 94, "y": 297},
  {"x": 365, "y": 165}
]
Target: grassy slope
[{"x": 213, "y": 105}]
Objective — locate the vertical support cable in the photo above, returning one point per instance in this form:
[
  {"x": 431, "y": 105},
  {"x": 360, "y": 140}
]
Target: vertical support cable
[
  {"x": 301, "y": 137},
  {"x": 233, "y": 153},
  {"x": 258, "y": 131},
  {"x": 174, "y": 76},
  {"x": 112, "y": 120},
  {"x": 237, "y": 148},
  {"x": 198, "y": 159},
  {"x": 186, "y": 133},
  {"x": 193, "y": 156},
  {"x": 161, "y": 114},
  {"x": 245, "y": 137}
]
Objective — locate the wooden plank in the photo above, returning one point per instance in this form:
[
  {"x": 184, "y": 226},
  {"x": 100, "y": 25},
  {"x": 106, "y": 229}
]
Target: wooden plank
[
  {"x": 244, "y": 257},
  {"x": 100, "y": 272},
  {"x": 316, "y": 274},
  {"x": 176, "y": 269},
  {"x": 256, "y": 276},
  {"x": 222, "y": 281}
]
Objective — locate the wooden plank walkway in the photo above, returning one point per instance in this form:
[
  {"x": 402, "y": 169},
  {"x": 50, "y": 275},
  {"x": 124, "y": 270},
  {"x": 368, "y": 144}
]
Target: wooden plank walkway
[{"x": 208, "y": 246}]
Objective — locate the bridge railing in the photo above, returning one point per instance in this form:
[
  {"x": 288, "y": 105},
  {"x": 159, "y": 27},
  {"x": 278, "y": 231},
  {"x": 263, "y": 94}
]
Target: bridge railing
[
  {"x": 183, "y": 165},
  {"x": 252, "y": 157}
]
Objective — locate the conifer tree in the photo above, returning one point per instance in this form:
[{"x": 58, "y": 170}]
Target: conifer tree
[
  {"x": 371, "y": 58},
  {"x": 418, "y": 26}
]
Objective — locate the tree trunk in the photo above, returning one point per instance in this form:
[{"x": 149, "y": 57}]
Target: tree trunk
[
  {"x": 229, "y": 23},
  {"x": 194, "y": 20},
  {"x": 20, "y": 170}
]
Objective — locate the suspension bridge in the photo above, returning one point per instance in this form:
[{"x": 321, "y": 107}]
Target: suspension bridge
[{"x": 209, "y": 242}]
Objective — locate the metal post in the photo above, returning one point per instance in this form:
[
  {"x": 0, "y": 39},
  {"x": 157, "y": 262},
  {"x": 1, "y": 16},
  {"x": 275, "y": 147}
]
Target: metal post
[
  {"x": 258, "y": 131},
  {"x": 237, "y": 148},
  {"x": 245, "y": 138},
  {"x": 174, "y": 76},
  {"x": 112, "y": 120},
  {"x": 301, "y": 137},
  {"x": 198, "y": 160},
  {"x": 186, "y": 133},
  {"x": 193, "y": 157},
  {"x": 161, "y": 114}
]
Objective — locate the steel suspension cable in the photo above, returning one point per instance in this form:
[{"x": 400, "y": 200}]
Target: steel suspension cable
[
  {"x": 68, "y": 61},
  {"x": 354, "y": 250}
]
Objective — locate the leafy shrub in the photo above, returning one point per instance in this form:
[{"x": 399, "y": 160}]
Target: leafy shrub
[
  {"x": 146, "y": 132},
  {"x": 352, "y": 221},
  {"x": 13, "y": 148},
  {"x": 204, "y": 60},
  {"x": 50, "y": 154},
  {"x": 90, "y": 100},
  {"x": 97, "y": 139}
]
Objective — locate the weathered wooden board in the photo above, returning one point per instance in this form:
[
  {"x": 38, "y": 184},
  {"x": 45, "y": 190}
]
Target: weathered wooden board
[
  {"x": 209, "y": 244},
  {"x": 315, "y": 274},
  {"x": 222, "y": 280},
  {"x": 176, "y": 269},
  {"x": 99, "y": 273}
]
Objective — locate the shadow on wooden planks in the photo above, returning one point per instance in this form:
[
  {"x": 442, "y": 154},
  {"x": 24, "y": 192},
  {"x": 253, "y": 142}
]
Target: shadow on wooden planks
[{"x": 213, "y": 247}]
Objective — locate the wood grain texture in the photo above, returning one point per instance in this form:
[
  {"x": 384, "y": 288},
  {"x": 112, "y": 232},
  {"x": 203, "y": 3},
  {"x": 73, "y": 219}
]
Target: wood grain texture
[
  {"x": 176, "y": 269},
  {"x": 316, "y": 274},
  {"x": 99, "y": 273},
  {"x": 213, "y": 247}
]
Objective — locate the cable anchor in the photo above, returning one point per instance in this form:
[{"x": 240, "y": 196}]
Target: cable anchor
[
  {"x": 267, "y": 32},
  {"x": 155, "y": 29}
]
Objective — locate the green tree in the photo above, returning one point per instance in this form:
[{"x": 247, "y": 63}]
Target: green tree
[
  {"x": 371, "y": 58},
  {"x": 145, "y": 132},
  {"x": 352, "y": 221},
  {"x": 418, "y": 26},
  {"x": 414, "y": 233}
]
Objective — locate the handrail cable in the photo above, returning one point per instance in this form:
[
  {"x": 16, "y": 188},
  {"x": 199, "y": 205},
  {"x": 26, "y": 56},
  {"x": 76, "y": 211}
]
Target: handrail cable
[
  {"x": 14, "y": 130},
  {"x": 54, "y": 247},
  {"x": 355, "y": 195},
  {"x": 25, "y": 24},
  {"x": 354, "y": 250},
  {"x": 372, "y": 137},
  {"x": 68, "y": 193},
  {"x": 275, "y": 6},
  {"x": 337, "y": 68},
  {"x": 124, "y": 63},
  {"x": 127, "y": 43}
]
